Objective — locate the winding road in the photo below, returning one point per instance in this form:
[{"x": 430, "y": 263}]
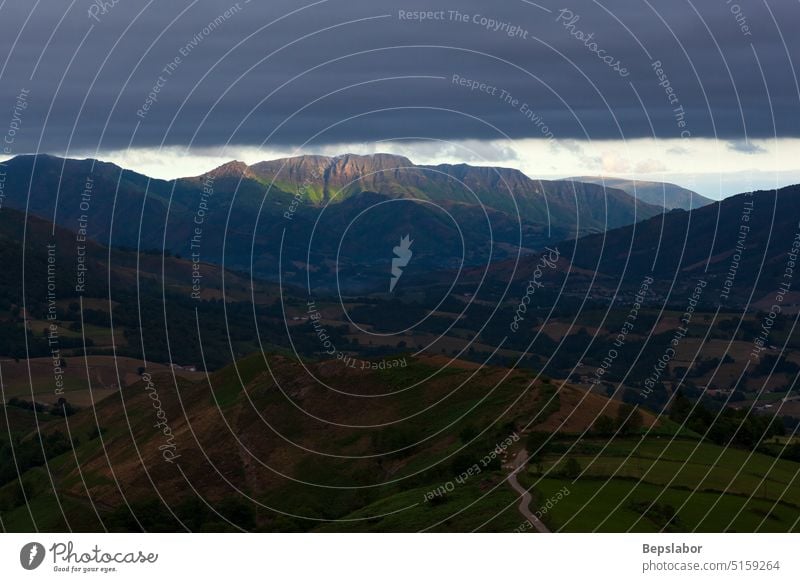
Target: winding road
[{"x": 524, "y": 504}]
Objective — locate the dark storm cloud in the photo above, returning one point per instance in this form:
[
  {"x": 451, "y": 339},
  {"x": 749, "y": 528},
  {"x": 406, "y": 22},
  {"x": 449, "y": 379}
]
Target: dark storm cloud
[{"x": 105, "y": 76}]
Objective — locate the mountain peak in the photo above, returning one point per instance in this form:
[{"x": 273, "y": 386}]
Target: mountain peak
[
  {"x": 233, "y": 169},
  {"x": 342, "y": 162},
  {"x": 351, "y": 167},
  {"x": 378, "y": 160},
  {"x": 318, "y": 176}
]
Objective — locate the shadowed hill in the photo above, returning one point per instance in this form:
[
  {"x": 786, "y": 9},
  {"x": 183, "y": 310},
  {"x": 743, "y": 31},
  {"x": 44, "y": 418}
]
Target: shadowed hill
[
  {"x": 736, "y": 245},
  {"x": 662, "y": 194},
  {"x": 295, "y": 447}
]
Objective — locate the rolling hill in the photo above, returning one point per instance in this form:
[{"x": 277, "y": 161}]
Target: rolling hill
[
  {"x": 741, "y": 247},
  {"x": 292, "y": 453},
  {"x": 133, "y": 302},
  {"x": 662, "y": 194}
]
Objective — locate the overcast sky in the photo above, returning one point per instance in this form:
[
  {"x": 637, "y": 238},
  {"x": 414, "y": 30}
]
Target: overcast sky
[{"x": 551, "y": 88}]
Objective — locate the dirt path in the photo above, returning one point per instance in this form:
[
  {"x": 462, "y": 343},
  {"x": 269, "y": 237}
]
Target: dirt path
[{"x": 525, "y": 501}]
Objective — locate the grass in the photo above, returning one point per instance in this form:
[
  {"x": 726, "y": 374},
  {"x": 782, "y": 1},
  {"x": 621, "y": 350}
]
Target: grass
[
  {"x": 644, "y": 493},
  {"x": 42, "y": 512},
  {"x": 606, "y": 514},
  {"x": 227, "y": 384},
  {"x": 705, "y": 476},
  {"x": 408, "y": 512}
]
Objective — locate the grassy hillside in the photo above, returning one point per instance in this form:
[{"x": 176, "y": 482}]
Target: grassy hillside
[
  {"x": 262, "y": 446},
  {"x": 660, "y": 484},
  {"x": 294, "y": 455}
]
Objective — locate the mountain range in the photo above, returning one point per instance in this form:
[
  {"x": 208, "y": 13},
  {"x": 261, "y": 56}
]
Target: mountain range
[
  {"x": 314, "y": 213},
  {"x": 663, "y": 194}
]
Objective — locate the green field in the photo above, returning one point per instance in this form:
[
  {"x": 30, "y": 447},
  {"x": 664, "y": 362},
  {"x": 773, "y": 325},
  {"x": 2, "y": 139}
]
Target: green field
[{"x": 680, "y": 485}]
